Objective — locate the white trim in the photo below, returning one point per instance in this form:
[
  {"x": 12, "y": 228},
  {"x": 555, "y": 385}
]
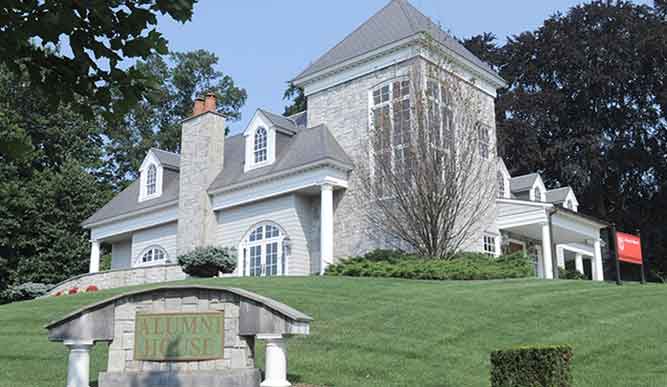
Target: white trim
[
  {"x": 129, "y": 215},
  {"x": 525, "y": 202},
  {"x": 150, "y": 160},
  {"x": 259, "y": 120},
  {"x": 518, "y": 242},
  {"x": 391, "y": 54},
  {"x": 245, "y": 245},
  {"x": 294, "y": 182},
  {"x": 138, "y": 260},
  {"x": 539, "y": 184},
  {"x": 135, "y": 222}
]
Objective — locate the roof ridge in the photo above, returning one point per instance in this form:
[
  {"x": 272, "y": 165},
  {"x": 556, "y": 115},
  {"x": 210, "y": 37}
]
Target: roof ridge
[
  {"x": 405, "y": 13},
  {"x": 347, "y": 36},
  {"x": 165, "y": 151}
]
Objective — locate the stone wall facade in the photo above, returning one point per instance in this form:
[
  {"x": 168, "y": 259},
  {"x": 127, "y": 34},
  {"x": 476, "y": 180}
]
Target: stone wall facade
[
  {"x": 122, "y": 277},
  {"x": 202, "y": 158},
  {"x": 345, "y": 110},
  {"x": 238, "y": 350}
]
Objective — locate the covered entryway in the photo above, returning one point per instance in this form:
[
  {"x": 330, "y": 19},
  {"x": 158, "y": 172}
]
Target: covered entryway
[{"x": 558, "y": 230}]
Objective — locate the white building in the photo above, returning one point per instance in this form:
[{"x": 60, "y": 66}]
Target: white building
[{"x": 282, "y": 191}]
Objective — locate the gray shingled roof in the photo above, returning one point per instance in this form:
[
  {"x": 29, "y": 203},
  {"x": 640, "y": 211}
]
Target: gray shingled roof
[
  {"x": 300, "y": 119},
  {"x": 168, "y": 160},
  {"x": 523, "y": 183},
  {"x": 306, "y": 147},
  {"x": 398, "y": 20},
  {"x": 127, "y": 201},
  {"x": 558, "y": 195},
  {"x": 280, "y": 121}
]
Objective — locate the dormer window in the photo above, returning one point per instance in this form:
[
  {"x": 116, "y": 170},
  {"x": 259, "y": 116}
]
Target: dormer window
[
  {"x": 151, "y": 180},
  {"x": 150, "y": 177},
  {"x": 500, "y": 180},
  {"x": 537, "y": 194},
  {"x": 260, "y": 145}
]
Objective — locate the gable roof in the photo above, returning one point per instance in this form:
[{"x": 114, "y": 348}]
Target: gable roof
[
  {"x": 558, "y": 195},
  {"x": 167, "y": 159},
  {"x": 280, "y": 121},
  {"x": 306, "y": 147},
  {"x": 127, "y": 200},
  {"x": 523, "y": 183},
  {"x": 398, "y": 20}
]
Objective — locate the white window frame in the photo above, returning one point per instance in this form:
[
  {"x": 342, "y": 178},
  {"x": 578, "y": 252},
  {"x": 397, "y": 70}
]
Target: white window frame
[
  {"x": 250, "y": 244},
  {"x": 150, "y": 162},
  {"x": 490, "y": 245},
  {"x": 258, "y": 147},
  {"x": 139, "y": 260},
  {"x": 250, "y": 134}
]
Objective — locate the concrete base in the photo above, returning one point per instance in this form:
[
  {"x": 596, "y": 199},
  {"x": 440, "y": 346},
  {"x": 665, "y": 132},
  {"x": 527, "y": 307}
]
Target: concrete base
[{"x": 231, "y": 378}]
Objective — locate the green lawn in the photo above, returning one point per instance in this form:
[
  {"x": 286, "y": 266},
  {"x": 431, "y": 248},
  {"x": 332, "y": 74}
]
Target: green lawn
[{"x": 389, "y": 332}]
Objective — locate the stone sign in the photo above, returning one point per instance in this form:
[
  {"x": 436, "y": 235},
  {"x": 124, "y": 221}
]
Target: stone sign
[{"x": 181, "y": 336}]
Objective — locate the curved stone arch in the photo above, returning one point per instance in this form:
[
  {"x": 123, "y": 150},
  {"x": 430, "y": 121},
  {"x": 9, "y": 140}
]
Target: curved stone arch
[{"x": 245, "y": 245}]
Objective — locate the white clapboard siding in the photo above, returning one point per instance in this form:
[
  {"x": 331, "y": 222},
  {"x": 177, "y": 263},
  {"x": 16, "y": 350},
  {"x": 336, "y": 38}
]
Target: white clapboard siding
[
  {"x": 121, "y": 253},
  {"x": 163, "y": 236},
  {"x": 234, "y": 223}
]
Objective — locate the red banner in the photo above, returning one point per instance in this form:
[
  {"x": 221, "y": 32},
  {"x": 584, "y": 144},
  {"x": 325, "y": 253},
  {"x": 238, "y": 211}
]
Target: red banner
[{"x": 629, "y": 248}]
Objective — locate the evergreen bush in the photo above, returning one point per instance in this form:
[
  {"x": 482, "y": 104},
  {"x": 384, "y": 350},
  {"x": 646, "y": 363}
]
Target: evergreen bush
[
  {"x": 547, "y": 366},
  {"x": 570, "y": 274},
  {"x": 465, "y": 266},
  {"x": 208, "y": 261},
  {"x": 26, "y": 291}
]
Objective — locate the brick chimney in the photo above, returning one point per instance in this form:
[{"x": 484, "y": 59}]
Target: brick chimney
[{"x": 202, "y": 157}]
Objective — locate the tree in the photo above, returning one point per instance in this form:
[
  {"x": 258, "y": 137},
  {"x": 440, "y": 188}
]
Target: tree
[
  {"x": 430, "y": 182},
  {"x": 297, "y": 100},
  {"x": 155, "y": 120},
  {"x": 587, "y": 107},
  {"x": 49, "y": 189},
  {"x": 96, "y": 37}
]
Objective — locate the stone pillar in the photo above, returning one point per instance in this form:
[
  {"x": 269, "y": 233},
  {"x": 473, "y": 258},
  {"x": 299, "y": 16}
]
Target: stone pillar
[
  {"x": 276, "y": 361},
  {"x": 579, "y": 263},
  {"x": 94, "y": 257},
  {"x": 598, "y": 271},
  {"x": 78, "y": 367},
  {"x": 560, "y": 256},
  {"x": 326, "y": 227},
  {"x": 547, "y": 258}
]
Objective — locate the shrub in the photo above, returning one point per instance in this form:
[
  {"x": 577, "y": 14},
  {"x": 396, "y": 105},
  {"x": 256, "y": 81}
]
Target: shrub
[
  {"x": 466, "y": 266},
  {"x": 532, "y": 367},
  {"x": 208, "y": 261},
  {"x": 26, "y": 291},
  {"x": 73, "y": 291},
  {"x": 570, "y": 274},
  {"x": 91, "y": 288}
]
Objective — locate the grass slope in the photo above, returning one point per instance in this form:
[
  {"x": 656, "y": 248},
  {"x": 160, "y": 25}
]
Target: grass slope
[{"x": 389, "y": 332}]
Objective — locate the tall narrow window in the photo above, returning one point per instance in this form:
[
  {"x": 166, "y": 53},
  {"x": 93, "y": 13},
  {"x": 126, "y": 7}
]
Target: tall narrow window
[
  {"x": 260, "y": 145},
  {"x": 390, "y": 112},
  {"x": 490, "y": 245},
  {"x": 483, "y": 140},
  {"x": 500, "y": 179},
  {"x": 151, "y": 180},
  {"x": 537, "y": 194},
  {"x": 268, "y": 250}
]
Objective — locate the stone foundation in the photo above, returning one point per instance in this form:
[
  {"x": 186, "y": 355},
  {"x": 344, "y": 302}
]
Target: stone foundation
[{"x": 228, "y": 378}]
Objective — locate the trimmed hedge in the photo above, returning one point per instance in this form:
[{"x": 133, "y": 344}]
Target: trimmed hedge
[
  {"x": 467, "y": 266},
  {"x": 544, "y": 366},
  {"x": 208, "y": 261},
  {"x": 570, "y": 274}
]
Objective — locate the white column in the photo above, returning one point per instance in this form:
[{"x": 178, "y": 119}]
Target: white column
[
  {"x": 275, "y": 361},
  {"x": 579, "y": 263},
  {"x": 598, "y": 271},
  {"x": 94, "y": 256},
  {"x": 326, "y": 227},
  {"x": 560, "y": 256},
  {"x": 78, "y": 367},
  {"x": 547, "y": 258}
]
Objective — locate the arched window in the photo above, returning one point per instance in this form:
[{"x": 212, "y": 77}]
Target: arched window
[
  {"x": 153, "y": 255},
  {"x": 260, "y": 145},
  {"x": 500, "y": 180},
  {"x": 264, "y": 251},
  {"x": 151, "y": 180}
]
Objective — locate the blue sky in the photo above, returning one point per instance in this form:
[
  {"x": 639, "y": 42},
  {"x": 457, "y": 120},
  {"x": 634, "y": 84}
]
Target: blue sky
[{"x": 264, "y": 43}]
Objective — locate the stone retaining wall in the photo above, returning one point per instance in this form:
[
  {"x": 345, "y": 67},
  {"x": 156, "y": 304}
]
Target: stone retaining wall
[{"x": 122, "y": 277}]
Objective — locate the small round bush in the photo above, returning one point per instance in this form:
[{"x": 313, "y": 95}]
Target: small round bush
[
  {"x": 208, "y": 261},
  {"x": 73, "y": 291},
  {"x": 26, "y": 291}
]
